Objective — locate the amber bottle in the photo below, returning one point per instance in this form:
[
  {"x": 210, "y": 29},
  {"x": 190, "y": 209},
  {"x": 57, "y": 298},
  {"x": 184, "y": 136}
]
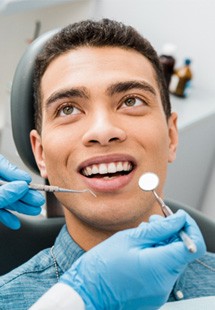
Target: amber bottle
[
  {"x": 180, "y": 81},
  {"x": 167, "y": 60}
]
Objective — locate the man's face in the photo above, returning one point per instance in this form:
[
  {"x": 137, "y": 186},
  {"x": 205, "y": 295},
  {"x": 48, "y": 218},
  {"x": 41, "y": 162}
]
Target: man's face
[{"x": 103, "y": 126}]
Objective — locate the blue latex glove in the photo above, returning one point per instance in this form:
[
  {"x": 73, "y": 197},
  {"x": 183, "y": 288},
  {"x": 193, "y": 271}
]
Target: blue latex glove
[
  {"x": 16, "y": 196},
  {"x": 135, "y": 268}
]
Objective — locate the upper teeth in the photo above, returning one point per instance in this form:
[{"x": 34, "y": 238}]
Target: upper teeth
[{"x": 107, "y": 168}]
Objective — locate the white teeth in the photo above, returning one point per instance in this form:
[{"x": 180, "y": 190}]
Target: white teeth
[
  {"x": 95, "y": 169},
  {"x": 129, "y": 166},
  {"x": 103, "y": 169},
  {"x": 112, "y": 168},
  {"x": 107, "y": 168},
  {"x": 88, "y": 171},
  {"x": 119, "y": 166},
  {"x": 125, "y": 166}
]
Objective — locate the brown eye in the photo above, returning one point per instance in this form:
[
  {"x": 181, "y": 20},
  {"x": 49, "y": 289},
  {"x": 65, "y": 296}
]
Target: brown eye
[
  {"x": 132, "y": 102},
  {"x": 68, "y": 110}
]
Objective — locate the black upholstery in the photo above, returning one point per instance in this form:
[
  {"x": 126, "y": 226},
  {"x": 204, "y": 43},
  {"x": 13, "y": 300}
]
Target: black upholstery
[
  {"x": 16, "y": 247},
  {"x": 206, "y": 225},
  {"x": 22, "y": 115},
  {"x": 22, "y": 111}
]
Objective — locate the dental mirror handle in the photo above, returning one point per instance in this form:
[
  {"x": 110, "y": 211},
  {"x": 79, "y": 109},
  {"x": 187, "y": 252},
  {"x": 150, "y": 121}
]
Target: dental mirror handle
[{"x": 184, "y": 237}]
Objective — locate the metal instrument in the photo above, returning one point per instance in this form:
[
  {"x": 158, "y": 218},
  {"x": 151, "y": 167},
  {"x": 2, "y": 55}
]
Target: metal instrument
[{"x": 149, "y": 182}]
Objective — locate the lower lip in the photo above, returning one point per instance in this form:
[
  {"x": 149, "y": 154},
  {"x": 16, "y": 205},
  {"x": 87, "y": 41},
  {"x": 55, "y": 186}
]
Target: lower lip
[{"x": 109, "y": 185}]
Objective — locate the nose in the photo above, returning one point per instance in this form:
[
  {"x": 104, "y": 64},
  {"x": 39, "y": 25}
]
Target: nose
[{"x": 104, "y": 131}]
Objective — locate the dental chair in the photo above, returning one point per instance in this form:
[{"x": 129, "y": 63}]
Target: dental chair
[{"x": 35, "y": 234}]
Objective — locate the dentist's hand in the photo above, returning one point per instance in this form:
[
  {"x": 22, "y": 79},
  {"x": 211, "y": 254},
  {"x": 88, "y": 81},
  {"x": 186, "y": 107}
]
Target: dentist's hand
[
  {"x": 16, "y": 196},
  {"x": 135, "y": 268}
]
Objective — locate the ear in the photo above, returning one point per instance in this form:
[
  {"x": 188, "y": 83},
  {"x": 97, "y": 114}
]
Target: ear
[
  {"x": 37, "y": 148},
  {"x": 173, "y": 136}
]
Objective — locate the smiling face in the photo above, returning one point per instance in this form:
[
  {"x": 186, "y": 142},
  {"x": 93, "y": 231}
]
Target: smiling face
[{"x": 103, "y": 126}]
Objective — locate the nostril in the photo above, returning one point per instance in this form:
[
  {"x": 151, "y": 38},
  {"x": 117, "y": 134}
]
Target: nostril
[
  {"x": 94, "y": 141},
  {"x": 103, "y": 135},
  {"x": 113, "y": 139}
]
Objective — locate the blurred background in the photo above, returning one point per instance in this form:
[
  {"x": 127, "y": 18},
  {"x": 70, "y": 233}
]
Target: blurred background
[{"x": 186, "y": 24}]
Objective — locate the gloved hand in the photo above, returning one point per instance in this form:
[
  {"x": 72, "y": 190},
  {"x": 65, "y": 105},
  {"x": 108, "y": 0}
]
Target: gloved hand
[
  {"x": 16, "y": 196},
  {"x": 135, "y": 268}
]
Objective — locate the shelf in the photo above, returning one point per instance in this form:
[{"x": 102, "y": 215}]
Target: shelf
[{"x": 199, "y": 105}]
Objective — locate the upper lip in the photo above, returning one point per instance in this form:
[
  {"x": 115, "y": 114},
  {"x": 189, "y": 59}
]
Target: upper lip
[{"x": 106, "y": 159}]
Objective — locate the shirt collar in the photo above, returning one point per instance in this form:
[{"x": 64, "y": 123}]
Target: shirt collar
[{"x": 66, "y": 250}]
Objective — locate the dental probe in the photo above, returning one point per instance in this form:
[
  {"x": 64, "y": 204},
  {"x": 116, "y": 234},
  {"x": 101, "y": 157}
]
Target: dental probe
[
  {"x": 148, "y": 182},
  {"x": 51, "y": 188}
]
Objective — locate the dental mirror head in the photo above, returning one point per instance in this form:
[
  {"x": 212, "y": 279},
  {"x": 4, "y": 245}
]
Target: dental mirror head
[{"x": 148, "y": 181}]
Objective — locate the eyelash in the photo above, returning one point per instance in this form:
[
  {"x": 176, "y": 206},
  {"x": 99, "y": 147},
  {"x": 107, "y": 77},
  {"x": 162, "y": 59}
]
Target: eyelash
[
  {"x": 65, "y": 105},
  {"x": 143, "y": 102},
  {"x": 123, "y": 102}
]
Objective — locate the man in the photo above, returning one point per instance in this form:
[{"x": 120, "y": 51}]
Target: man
[
  {"x": 103, "y": 118},
  {"x": 127, "y": 288}
]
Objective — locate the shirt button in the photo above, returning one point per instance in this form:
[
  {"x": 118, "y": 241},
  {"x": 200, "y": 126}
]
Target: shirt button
[{"x": 179, "y": 294}]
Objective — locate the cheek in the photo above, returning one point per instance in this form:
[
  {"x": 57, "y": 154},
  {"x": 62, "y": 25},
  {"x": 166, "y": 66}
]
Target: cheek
[
  {"x": 57, "y": 147},
  {"x": 56, "y": 140},
  {"x": 152, "y": 135},
  {"x": 153, "y": 139}
]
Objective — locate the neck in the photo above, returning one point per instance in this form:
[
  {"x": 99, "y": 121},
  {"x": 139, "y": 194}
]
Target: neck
[
  {"x": 87, "y": 236},
  {"x": 83, "y": 234}
]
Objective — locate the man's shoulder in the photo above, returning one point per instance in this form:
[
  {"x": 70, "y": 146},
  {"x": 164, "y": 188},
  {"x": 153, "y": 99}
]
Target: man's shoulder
[
  {"x": 203, "y": 267},
  {"x": 36, "y": 264},
  {"x": 206, "y": 263},
  {"x": 198, "y": 279},
  {"x": 29, "y": 281}
]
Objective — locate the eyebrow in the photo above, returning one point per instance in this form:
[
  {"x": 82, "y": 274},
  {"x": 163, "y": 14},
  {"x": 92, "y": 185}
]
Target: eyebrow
[
  {"x": 128, "y": 85},
  {"x": 80, "y": 92}
]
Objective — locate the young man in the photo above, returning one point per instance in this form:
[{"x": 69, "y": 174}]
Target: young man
[
  {"x": 141, "y": 250},
  {"x": 103, "y": 118}
]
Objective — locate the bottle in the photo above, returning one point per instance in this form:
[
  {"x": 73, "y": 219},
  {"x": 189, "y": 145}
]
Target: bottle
[
  {"x": 167, "y": 60},
  {"x": 181, "y": 79}
]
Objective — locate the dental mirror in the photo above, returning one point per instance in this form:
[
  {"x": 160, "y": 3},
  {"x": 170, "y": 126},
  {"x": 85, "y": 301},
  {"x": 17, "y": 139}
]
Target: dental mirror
[{"x": 148, "y": 181}]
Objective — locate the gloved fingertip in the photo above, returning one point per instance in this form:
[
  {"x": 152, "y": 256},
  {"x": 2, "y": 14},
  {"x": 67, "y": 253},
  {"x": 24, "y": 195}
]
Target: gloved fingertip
[
  {"x": 10, "y": 221},
  {"x": 13, "y": 191},
  {"x": 26, "y": 177},
  {"x": 39, "y": 198},
  {"x": 11, "y": 172},
  {"x": 155, "y": 217},
  {"x": 18, "y": 186},
  {"x": 34, "y": 198},
  {"x": 180, "y": 212},
  {"x": 15, "y": 226},
  {"x": 35, "y": 211},
  {"x": 21, "y": 183}
]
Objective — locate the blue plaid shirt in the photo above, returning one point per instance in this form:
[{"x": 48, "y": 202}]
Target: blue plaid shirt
[{"x": 20, "y": 288}]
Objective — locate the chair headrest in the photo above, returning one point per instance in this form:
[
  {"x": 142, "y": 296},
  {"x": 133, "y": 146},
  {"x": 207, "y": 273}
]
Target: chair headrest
[{"x": 22, "y": 102}]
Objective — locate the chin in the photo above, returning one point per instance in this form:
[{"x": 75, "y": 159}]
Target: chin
[{"x": 111, "y": 221}]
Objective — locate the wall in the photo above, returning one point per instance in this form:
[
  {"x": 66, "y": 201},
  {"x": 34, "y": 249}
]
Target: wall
[
  {"x": 189, "y": 24},
  {"x": 15, "y": 31},
  {"x": 191, "y": 177}
]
